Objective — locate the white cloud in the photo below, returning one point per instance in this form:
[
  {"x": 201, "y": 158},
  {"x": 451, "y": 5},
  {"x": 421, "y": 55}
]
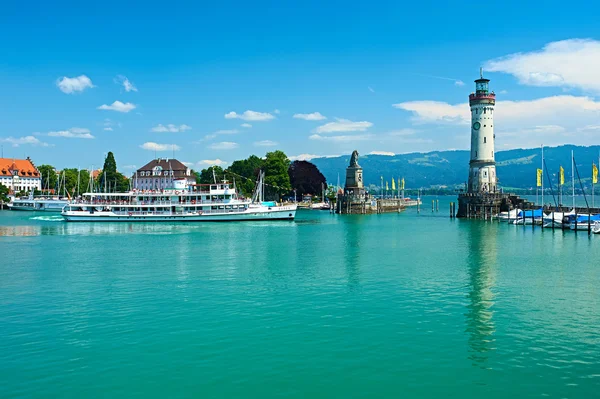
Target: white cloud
[
  {"x": 127, "y": 85},
  {"x": 436, "y": 111},
  {"x": 31, "y": 140},
  {"x": 542, "y": 110},
  {"x": 265, "y": 143},
  {"x": 339, "y": 139},
  {"x": 402, "y": 132},
  {"x": 386, "y": 153},
  {"x": 224, "y": 145},
  {"x": 246, "y": 125},
  {"x": 212, "y": 162},
  {"x": 171, "y": 128},
  {"x": 150, "y": 146},
  {"x": 276, "y": 111},
  {"x": 571, "y": 63},
  {"x": 308, "y": 157},
  {"x": 73, "y": 133},
  {"x": 220, "y": 132},
  {"x": 371, "y": 89},
  {"x": 457, "y": 82},
  {"x": 226, "y": 131},
  {"x": 72, "y": 85},
  {"x": 118, "y": 106},
  {"x": 250, "y": 116},
  {"x": 343, "y": 125},
  {"x": 315, "y": 116},
  {"x": 108, "y": 129}
]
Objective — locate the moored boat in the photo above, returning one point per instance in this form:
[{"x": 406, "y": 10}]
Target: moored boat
[
  {"x": 596, "y": 227},
  {"x": 39, "y": 204},
  {"x": 582, "y": 222},
  {"x": 556, "y": 218},
  {"x": 509, "y": 216},
  {"x": 529, "y": 217}
]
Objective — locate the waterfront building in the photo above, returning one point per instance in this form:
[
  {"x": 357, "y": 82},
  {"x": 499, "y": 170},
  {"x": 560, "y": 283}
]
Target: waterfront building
[
  {"x": 161, "y": 173},
  {"x": 19, "y": 175},
  {"x": 482, "y": 164}
]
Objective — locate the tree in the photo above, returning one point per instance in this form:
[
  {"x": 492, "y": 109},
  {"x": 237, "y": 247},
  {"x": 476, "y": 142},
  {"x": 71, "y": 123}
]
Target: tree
[
  {"x": 49, "y": 177},
  {"x": 72, "y": 176},
  {"x": 3, "y": 193},
  {"x": 248, "y": 169},
  {"x": 110, "y": 178},
  {"x": 306, "y": 178},
  {"x": 276, "y": 167},
  {"x": 207, "y": 177}
]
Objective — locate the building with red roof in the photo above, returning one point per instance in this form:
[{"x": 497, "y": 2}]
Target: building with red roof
[{"x": 19, "y": 175}]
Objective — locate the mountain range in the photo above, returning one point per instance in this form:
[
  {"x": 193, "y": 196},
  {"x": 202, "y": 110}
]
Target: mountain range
[{"x": 515, "y": 168}]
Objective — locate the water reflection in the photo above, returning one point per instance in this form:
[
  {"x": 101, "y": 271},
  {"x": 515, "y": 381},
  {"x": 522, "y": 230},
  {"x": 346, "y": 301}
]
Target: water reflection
[
  {"x": 353, "y": 238},
  {"x": 63, "y": 228},
  {"x": 482, "y": 261}
]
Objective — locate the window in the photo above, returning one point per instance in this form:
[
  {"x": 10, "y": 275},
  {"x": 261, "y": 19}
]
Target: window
[
  {"x": 475, "y": 154},
  {"x": 484, "y": 110},
  {"x": 484, "y": 140}
]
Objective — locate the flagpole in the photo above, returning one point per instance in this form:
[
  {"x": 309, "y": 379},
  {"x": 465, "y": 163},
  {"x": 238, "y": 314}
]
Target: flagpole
[{"x": 542, "y": 176}]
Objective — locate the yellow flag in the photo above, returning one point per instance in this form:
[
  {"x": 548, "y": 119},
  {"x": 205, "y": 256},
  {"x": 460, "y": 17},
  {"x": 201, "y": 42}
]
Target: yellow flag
[
  {"x": 562, "y": 176},
  {"x": 393, "y": 184},
  {"x": 539, "y": 178},
  {"x": 387, "y": 187},
  {"x": 402, "y": 186},
  {"x": 594, "y": 173}
]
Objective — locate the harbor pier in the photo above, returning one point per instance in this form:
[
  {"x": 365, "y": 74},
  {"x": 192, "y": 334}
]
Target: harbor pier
[
  {"x": 355, "y": 200},
  {"x": 485, "y": 205}
]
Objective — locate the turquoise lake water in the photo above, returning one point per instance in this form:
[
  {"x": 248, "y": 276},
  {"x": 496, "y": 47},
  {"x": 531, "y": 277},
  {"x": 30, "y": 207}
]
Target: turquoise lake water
[{"x": 397, "y": 305}]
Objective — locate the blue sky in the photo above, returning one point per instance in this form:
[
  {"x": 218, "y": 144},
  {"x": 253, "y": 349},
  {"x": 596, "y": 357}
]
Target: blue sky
[{"x": 385, "y": 77}]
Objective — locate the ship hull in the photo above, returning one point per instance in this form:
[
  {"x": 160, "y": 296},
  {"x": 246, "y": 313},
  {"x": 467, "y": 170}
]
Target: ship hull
[{"x": 279, "y": 213}]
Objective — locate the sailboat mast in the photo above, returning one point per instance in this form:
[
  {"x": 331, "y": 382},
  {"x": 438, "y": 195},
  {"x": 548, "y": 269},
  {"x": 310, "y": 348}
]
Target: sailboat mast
[{"x": 573, "y": 176}]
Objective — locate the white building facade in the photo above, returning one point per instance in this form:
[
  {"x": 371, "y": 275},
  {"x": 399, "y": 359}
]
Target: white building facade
[
  {"x": 482, "y": 165},
  {"x": 19, "y": 175},
  {"x": 162, "y": 173}
]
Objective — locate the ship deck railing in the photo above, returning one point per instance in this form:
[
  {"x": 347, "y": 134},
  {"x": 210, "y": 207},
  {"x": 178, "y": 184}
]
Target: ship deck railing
[
  {"x": 161, "y": 203},
  {"x": 168, "y": 213}
]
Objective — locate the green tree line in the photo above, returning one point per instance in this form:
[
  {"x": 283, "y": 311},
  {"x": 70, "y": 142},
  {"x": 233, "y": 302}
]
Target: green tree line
[{"x": 282, "y": 176}]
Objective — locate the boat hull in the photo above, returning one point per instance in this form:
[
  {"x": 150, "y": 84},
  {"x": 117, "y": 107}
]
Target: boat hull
[
  {"x": 279, "y": 213},
  {"x": 42, "y": 207}
]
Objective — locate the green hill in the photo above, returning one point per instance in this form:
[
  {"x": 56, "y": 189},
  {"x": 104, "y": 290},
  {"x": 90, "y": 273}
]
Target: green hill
[{"x": 515, "y": 168}]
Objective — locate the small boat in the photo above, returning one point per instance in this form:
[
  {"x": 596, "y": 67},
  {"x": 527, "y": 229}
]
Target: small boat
[
  {"x": 596, "y": 227},
  {"x": 39, "y": 204},
  {"x": 509, "y": 216},
  {"x": 583, "y": 222},
  {"x": 556, "y": 218},
  {"x": 529, "y": 217}
]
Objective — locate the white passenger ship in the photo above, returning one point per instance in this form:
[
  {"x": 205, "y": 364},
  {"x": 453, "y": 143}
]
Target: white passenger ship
[
  {"x": 195, "y": 203},
  {"x": 39, "y": 204}
]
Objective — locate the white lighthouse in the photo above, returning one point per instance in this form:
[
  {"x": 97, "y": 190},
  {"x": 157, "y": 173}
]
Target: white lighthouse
[{"x": 482, "y": 166}]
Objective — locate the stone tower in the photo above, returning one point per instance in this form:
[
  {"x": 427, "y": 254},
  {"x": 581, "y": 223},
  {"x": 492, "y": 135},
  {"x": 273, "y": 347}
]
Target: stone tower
[
  {"x": 354, "y": 176},
  {"x": 482, "y": 166}
]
